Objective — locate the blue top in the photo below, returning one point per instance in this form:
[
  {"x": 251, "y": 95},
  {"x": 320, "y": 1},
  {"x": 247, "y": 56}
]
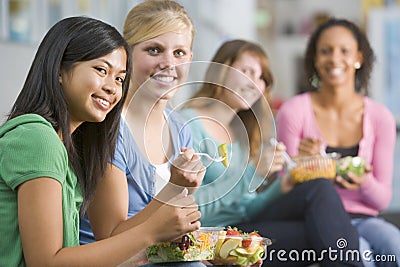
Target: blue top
[
  {"x": 227, "y": 195},
  {"x": 139, "y": 171}
]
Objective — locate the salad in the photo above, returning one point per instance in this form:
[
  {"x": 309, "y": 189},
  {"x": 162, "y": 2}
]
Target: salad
[
  {"x": 348, "y": 164},
  {"x": 195, "y": 246},
  {"x": 237, "y": 248},
  {"x": 312, "y": 167}
]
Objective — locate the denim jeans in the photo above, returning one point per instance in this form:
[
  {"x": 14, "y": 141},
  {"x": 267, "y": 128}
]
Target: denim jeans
[
  {"x": 309, "y": 217},
  {"x": 379, "y": 241}
]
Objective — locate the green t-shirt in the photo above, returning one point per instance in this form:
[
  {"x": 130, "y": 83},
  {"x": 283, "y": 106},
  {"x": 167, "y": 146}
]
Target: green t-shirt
[{"x": 30, "y": 148}]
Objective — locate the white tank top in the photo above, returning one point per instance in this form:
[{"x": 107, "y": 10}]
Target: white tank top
[{"x": 163, "y": 175}]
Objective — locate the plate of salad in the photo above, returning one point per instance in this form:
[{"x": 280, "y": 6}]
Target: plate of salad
[{"x": 194, "y": 246}]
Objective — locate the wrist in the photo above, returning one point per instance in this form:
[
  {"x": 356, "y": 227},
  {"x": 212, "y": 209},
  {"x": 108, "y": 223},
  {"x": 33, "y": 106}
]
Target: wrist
[{"x": 287, "y": 183}]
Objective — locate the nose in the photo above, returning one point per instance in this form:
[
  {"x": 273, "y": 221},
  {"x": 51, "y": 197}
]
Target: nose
[
  {"x": 336, "y": 55},
  {"x": 109, "y": 86},
  {"x": 167, "y": 62}
]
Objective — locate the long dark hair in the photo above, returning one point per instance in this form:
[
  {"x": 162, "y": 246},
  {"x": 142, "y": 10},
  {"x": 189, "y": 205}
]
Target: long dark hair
[
  {"x": 363, "y": 74},
  {"x": 92, "y": 145}
]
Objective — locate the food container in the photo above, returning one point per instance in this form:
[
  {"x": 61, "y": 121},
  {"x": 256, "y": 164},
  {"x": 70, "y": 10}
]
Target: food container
[
  {"x": 355, "y": 165},
  {"x": 312, "y": 167},
  {"x": 243, "y": 249},
  {"x": 195, "y": 246}
]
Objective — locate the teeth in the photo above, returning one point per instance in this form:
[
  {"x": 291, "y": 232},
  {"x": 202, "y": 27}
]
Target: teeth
[
  {"x": 336, "y": 71},
  {"x": 166, "y": 79},
  {"x": 102, "y": 101}
]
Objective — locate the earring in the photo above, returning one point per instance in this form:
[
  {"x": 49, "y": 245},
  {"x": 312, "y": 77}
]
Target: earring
[
  {"x": 357, "y": 65},
  {"x": 315, "y": 81}
]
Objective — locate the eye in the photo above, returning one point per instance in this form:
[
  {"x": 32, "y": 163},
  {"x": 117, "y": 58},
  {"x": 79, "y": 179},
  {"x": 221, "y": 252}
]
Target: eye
[
  {"x": 324, "y": 51},
  {"x": 180, "y": 53},
  {"x": 101, "y": 70},
  {"x": 247, "y": 72},
  {"x": 153, "y": 50},
  {"x": 120, "y": 80},
  {"x": 345, "y": 51}
]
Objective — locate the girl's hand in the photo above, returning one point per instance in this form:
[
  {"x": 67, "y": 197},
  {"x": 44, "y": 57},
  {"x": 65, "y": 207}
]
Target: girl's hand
[
  {"x": 354, "y": 182},
  {"x": 187, "y": 170},
  {"x": 271, "y": 160},
  {"x": 175, "y": 218},
  {"x": 278, "y": 159},
  {"x": 309, "y": 147}
]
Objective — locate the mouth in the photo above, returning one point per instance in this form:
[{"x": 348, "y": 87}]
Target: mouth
[
  {"x": 248, "y": 92},
  {"x": 102, "y": 102},
  {"x": 163, "y": 79},
  {"x": 245, "y": 97},
  {"x": 335, "y": 71}
]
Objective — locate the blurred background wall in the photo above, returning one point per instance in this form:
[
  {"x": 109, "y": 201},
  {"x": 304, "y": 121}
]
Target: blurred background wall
[{"x": 282, "y": 27}]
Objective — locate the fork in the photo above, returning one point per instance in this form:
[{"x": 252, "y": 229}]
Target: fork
[
  {"x": 218, "y": 159},
  {"x": 289, "y": 161}
]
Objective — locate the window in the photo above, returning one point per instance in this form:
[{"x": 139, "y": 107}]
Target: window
[{"x": 27, "y": 21}]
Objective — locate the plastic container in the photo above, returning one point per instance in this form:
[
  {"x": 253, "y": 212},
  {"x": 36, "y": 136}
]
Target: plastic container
[
  {"x": 244, "y": 250},
  {"x": 355, "y": 165},
  {"x": 195, "y": 246},
  {"x": 308, "y": 168}
]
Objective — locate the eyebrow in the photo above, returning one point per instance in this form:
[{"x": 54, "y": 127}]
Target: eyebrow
[
  {"x": 158, "y": 43},
  {"x": 111, "y": 66}
]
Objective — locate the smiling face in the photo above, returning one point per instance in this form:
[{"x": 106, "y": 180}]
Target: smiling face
[
  {"x": 245, "y": 81},
  {"x": 158, "y": 61},
  {"x": 92, "y": 88},
  {"x": 336, "y": 56}
]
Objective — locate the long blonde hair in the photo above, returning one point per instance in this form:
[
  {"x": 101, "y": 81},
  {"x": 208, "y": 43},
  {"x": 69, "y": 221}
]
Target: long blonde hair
[{"x": 152, "y": 18}]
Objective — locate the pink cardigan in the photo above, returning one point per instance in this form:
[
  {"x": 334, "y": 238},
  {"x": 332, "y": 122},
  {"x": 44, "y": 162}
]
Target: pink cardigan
[{"x": 295, "y": 120}]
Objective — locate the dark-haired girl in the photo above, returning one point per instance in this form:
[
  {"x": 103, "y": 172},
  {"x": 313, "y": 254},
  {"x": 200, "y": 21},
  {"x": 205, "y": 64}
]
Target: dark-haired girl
[
  {"x": 338, "y": 116},
  {"x": 54, "y": 147}
]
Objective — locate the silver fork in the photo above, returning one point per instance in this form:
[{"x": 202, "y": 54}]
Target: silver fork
[
  {"x": 290, "y": 163},
  {"x": 218, "y": 159}
]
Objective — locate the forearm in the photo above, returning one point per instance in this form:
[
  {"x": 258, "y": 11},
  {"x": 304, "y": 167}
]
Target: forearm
[
  {"x": 376, "y": 194},
  {"x": 108, "y": 252},
  {"x": 43, "y": 240},
  {"x": 165, "y": 195},
  {"x": 137, "y": 219},
  {"x": 377, "y": 188}
]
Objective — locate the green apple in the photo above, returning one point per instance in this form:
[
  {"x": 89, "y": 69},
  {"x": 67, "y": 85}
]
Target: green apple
[{"x": 229, "y": 245}]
